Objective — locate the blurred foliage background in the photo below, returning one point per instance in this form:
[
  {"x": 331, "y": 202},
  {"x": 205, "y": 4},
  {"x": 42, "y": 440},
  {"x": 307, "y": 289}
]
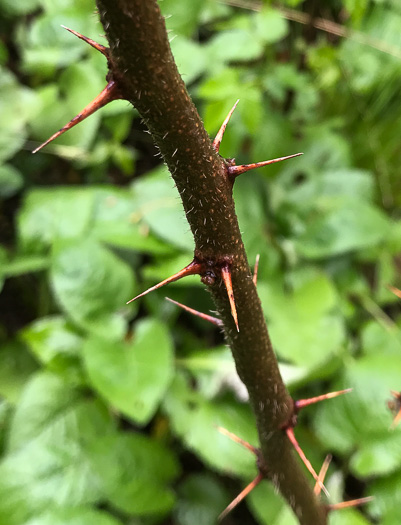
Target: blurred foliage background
[{"x": 108, "y": 411}]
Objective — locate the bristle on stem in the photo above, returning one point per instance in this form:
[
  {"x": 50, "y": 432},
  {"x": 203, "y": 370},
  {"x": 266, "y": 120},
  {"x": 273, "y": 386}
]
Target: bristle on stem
[
  {"x": 241, "y": 496},
  {"x": 109, "y": 93},
  {"x": 350, "y": 503},
  {"x": 103, "y": 49},
  {"x": 291, "y": 436},
  {"x": 255, "y": 270},
  {"x": 234, "y": 171},
  {"x": 192, "y": 269},
  {"x": 226, "y": 277},
  {"x": 206, "y": 317},
  {"x": 237, "y": 439},
  {"x": 322, "y": 474},
  {"x": 302, "y": 403},
  {"x": 219, "y": 137}
]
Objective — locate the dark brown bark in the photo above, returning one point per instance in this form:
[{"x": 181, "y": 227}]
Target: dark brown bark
[{"x": 142, "y": 65}]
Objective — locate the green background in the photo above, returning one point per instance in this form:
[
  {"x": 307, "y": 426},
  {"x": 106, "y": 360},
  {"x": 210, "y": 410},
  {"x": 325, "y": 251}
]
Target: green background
[{"x": 108, "y": 411}]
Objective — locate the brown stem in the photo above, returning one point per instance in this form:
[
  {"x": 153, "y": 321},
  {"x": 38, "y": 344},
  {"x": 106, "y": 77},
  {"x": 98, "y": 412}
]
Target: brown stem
[{"x": 142, "y": 64}]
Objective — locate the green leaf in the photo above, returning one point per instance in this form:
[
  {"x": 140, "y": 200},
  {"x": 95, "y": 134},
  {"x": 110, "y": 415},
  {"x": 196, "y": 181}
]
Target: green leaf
[
  {"x": 182, "y": 17},
  {"x": 237, "y": 44},
  {"x": 269, "y": 25},
  {"x": 201, "y": 499},
  {"x": 50, "y": 214},
  {"x": 190, "y": 58},
  {"x": 19, "y": 8},
  {"x": 74, "y": 516},
  {"x": 92, "y": 285},
  {"x": 16, "y": 366},
  {"x": 11, "y": 181},
  {"x": 355, "y": 226},
  {"x": 133, "y": 376},
  {"x": 135, "y": 473},
  {"x": 194, "y": 420},
  {"x": 55, "y": 342},
  {"x": 47, "y": 463}
]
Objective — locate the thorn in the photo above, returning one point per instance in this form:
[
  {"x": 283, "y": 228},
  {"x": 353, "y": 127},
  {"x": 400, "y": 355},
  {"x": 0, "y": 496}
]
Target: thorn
[
  {"x": 255, "y": 270},
  {"x": 206, "y": 317},
  {"x": 322, "y": 474},
  {"x": 237, "y": 439},
  {"x": 192, "y": 269},
  {"x": 241, "y": 496},
  {"x": 351, "y": 503},
  {"x": 291, "y": 436},
  {"x": 226, "y": 276},
  {"x": 395, "y": 406},
  {"x": 109, "y": 93},
  {"x": 103, "y": 49},
  {"x": 395, "y": 291},
  {"x": 302, "y": 403},
  {"x": 218, "y": 138},
  {"x": 234, "y": 171}
]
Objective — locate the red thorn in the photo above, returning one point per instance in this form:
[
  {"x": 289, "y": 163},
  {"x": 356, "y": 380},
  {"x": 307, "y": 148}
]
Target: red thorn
[
  {"x": 192, "y": 269},
  {"x": 109, "y": 93},
  {"x": 302, "y": 403},
  {"x": 255, "y": 270},
  {"x": 322, "y": 474},
  {"x": 241, "y": 496},
  {"x": 217, "y": 141},
  {"x": 226, "y": 276},
  {"x": 237, "y": 439},
  {"x": 395, "y": 291},
  {"x": 234, "y": 171},
  {"x": 351, "y": 503},
  {"x": 103, "y": 49},
  {"x": 291, "y": 436},
  {"x": 206, "y": 317}
]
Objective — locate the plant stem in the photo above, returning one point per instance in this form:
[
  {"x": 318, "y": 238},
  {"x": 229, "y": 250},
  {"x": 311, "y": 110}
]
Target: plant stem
[{"x": 142, "y": 64}]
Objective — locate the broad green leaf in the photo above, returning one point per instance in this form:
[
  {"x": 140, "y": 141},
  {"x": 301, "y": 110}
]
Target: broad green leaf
[
  {"x": 190, "y": 58},
  {"x": 74, "y": 516},
  {"x": 269, "y": 25},
  {"x": 182, "y": 17},
  {"x": 16, "y": 366},
  {"x": 354, "y": 226},
  {"x": 47, "y": 456},
  {"x": 132, "y": 376},
  {"x": 135, "y": 472},
  {"x": 55, "y": 342},
  {"x": 92, "y": 285},
  {"x": 376, "y": 338},
  {"x": 19, "y": 8},
  {"x": 50, "y": 214},
  {"x": 11, "y": 181},
  {"x": 237, "y": 44},
  {"x": 387, "y": 499},
  {"x": 194, "y": 420},
  {"x": 201, "y": 499}
]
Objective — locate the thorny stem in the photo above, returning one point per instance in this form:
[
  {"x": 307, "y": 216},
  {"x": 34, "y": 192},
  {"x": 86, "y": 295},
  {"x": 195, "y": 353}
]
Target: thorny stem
[{"x": 142, "y": 64}]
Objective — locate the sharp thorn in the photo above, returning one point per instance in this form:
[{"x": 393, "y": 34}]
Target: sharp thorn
[
  {"x": 234, "y": 171},
  {"x": 291, "y": 436},
  {"x": 109, "y": 93},
  {"x": 322, "y": 474},
  {"x": 237, "y": 439},
  {"x": 206, "y": 317},
  {"x": 350, "y": 503},
  {"x": 302, "y": 403},
  {"x": 226, "y": 276},
  {"x": 241, "y": 496},
  {"x": 255, "y": 270},
  {"x": 103, "y": 49},
  {"x": 192, "y": 269},
  {"x": 395, "y": 290},
  {"x": 217, "y": 140}
]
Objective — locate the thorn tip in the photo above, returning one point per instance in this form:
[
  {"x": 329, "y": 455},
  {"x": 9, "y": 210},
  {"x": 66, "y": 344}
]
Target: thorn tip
[
  {"x": 234, "y": 171},
  {"x": 219, "y": 137},
  {"x": 226, "y": 277}
]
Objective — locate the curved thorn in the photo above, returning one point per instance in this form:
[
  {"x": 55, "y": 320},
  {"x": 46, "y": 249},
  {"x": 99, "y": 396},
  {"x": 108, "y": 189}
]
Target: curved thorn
[
  {"x": 237, "y": 439},
  {"x": 322, "y": 474},
  {"x": 103, "y": 49},
  {"x": 108, "y": 94},
  {"x": 234, "y": 171},
  {"x": 302, "y": 403},
  {"x": 218, "y": 138},
  {"x": 291, "y": 436},
  {"x": 226, "y": 276},
  {"x": 206, "y": 317},
  {"x": 192, "y": 269},
  {"x": 241, "y": 496},
  {"x": 350, "y": 503},
  {"x": 255, "y": 270}
]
